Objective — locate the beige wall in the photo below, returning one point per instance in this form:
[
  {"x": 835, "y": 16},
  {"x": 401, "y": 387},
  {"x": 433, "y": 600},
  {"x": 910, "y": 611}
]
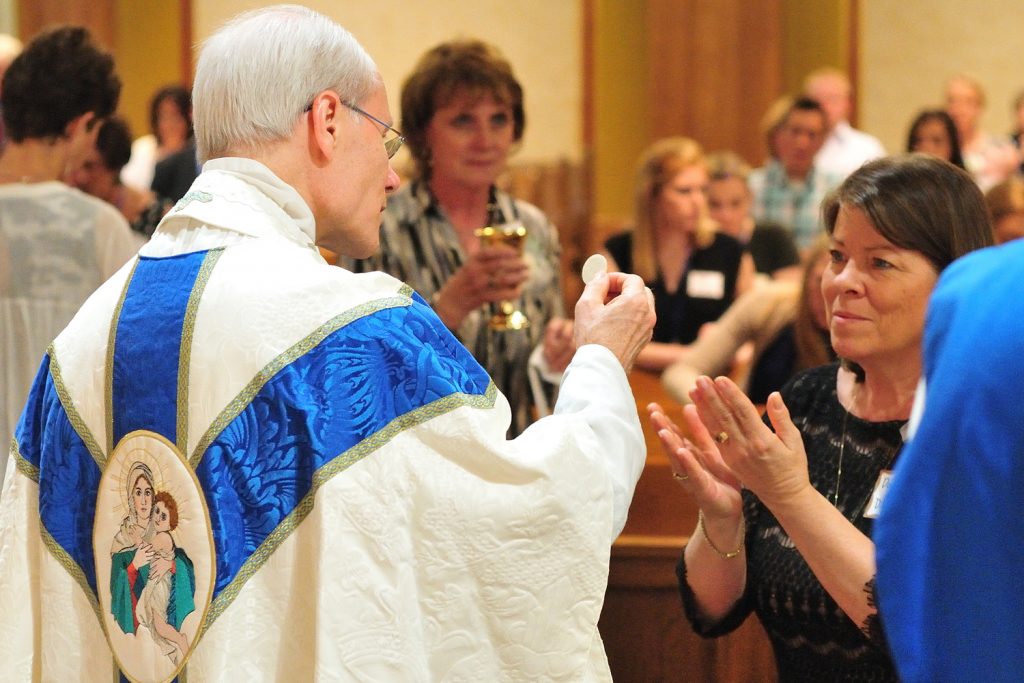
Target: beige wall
[
  {"x": 8, "y": 17},
  {"x": 622, "y": 122},
  {"x": 814, "y": 35},
  {"x": 148, "y": 55},
  {"x": 909, "y": 48},
  {"x": 541, "y": 38}
]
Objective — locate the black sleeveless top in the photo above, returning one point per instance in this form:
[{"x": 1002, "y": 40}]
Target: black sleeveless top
[{"x": 706, "y": 289}]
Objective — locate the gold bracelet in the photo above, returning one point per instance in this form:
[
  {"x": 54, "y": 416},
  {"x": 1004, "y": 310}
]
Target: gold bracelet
[{"x": 724, "y": 556}]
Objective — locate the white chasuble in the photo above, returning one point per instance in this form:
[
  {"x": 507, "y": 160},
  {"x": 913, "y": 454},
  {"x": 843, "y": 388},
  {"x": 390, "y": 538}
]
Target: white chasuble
[{"x": 241, "y": 463}]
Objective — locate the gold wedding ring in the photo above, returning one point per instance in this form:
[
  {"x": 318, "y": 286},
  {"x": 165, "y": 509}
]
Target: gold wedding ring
[
  {"x": 721, "y": 437},
  {"x": 680, "y": 477}
]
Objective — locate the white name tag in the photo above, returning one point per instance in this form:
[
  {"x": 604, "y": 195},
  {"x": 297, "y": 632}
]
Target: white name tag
[
  {"x": 705, "y": 284},
  {"x": 875, "y": 502}
]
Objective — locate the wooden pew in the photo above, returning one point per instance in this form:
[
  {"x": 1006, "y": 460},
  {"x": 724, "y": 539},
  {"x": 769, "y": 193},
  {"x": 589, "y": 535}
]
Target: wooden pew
[{"x": 645, "y": 634}]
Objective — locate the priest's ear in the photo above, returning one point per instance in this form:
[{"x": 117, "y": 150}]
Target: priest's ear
[{"x": 323, "y": 125}]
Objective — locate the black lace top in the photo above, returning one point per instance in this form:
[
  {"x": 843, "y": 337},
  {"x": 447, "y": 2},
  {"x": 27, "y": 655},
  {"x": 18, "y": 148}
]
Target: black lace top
[{"x": 812, "y": 637}]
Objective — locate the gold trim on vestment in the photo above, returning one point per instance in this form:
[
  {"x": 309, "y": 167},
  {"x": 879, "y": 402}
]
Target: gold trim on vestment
[
  {"x": 185, "y": 350},
  {"x": 329, "y": 470},
  {"x": 23, "y": 465},
  {"x": 301, "y": 348},
  {"x": 111, "y": 339},
  {"x": 64, "y": 396},
  {"x": 71, "y": 567},
  {"x": 324, "y": 474}
]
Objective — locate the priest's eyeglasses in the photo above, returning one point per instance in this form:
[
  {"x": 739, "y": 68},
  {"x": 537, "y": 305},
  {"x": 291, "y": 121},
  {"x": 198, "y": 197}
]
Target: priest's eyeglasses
[{"x": 392, "y": 144}]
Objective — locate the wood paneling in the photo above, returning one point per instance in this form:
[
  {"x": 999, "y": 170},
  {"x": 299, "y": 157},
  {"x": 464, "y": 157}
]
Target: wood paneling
[
  {"x": 706, "y": 69},
  {"x": 715, "y": 66},
  {"x": 647, "y": 638},
  {"x": 97, "y": 15},
  {"x": 151, "y": 42}
]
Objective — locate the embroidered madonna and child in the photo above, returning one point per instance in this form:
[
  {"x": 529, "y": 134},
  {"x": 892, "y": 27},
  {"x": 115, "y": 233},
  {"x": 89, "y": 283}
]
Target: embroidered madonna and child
[{"x": 150, "y": 538}]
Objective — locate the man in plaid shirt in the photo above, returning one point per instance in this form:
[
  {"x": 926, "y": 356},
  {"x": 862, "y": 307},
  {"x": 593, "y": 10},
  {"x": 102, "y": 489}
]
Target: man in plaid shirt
[{"x": 788, "y": 189}]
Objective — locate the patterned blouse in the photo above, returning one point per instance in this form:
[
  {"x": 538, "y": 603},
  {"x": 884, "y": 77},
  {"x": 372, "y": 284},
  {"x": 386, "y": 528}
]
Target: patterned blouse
[{"x": 419, "y": 246}]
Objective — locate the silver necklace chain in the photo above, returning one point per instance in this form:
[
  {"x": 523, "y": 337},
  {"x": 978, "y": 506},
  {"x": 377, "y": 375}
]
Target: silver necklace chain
[{"x": 839, "y": 468}]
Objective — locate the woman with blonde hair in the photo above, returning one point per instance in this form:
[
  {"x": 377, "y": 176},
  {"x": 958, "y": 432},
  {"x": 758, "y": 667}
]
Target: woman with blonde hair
[
  {"x": 987, "y": 157},
  {"x": 694, "y": 271}
]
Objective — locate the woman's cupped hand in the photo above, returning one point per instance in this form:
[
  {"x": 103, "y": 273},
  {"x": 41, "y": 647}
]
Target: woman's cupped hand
[{"x": 772, "y": 464}]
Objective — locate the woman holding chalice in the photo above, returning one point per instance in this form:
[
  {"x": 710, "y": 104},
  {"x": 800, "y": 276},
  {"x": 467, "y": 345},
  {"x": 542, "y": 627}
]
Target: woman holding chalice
[{"x": 462, "y": 114}]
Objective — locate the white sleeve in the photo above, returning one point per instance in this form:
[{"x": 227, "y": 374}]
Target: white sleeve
[{"x": 595, "y": 389}]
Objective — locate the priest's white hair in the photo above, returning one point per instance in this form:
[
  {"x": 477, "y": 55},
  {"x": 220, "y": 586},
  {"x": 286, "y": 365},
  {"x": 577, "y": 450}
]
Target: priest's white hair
[{"x": 259, "y": 72}]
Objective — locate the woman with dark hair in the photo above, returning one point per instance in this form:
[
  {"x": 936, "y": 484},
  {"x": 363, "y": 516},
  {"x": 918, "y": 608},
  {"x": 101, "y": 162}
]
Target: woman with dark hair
[
  {"x": 933, "y": 132},
  {"x": 462, "y": 114},
  {"x": 793, "y": 541},
  {"x": 57, "y": 244},
  {"x": 99, "y": 175},
  {"x": 170, "y": 120}
]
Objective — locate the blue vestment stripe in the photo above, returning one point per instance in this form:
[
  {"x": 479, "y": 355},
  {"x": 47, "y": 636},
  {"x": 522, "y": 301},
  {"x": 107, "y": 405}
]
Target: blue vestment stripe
[
  {"x": 147, "y": 346},
  {"x": 352, "y": 385},
  {"x": 30, "y": 426},
  {"x": 68, "y": 475}
]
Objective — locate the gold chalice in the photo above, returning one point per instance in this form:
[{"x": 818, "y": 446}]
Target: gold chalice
[{"x": 506, "y": 316}]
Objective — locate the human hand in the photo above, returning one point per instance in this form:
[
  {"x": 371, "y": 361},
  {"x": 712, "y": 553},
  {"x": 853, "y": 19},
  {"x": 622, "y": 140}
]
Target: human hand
[
  {"x": 143, "y": 556},
  {"x": 617, "y": 312},
  {"x": 158, "y": 567},
  {"x": 697, "y": 464},
  {"x": 772, "y": 465},
  {"x": 558, "y": 345},
  {"x": 494, "y": 272}
]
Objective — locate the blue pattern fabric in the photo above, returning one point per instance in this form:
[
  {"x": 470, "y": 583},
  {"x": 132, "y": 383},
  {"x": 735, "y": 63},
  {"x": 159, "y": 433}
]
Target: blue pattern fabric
[
  {"x": 353, "y": 384},
  {"x": 68, "y": 475},
  {"x": 147, "y": 346},
  {"x": 30, "y": 430}
]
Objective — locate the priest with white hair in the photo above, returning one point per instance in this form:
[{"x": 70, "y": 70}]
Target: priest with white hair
[{"x": 241, "y": 463}]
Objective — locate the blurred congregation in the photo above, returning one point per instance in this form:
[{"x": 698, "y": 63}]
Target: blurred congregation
[{"x": 714, "y": 149}]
